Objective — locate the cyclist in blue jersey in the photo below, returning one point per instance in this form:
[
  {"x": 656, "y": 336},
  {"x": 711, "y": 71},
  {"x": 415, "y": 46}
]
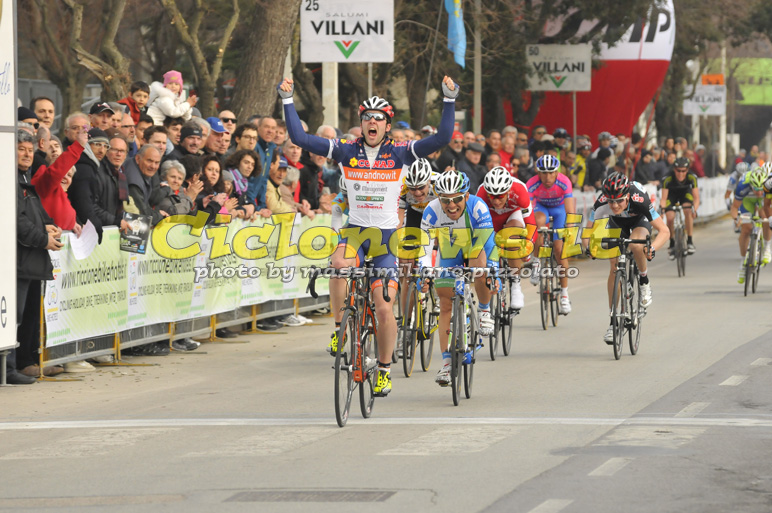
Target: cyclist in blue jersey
[
  {"x": 455, "y": 210},
  {"x": 373, "y": 166}
]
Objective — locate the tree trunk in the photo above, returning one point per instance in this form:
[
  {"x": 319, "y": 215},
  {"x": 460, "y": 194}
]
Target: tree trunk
[{"x": 262, "y": 66}]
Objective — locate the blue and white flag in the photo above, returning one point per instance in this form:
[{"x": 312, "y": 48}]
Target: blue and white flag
[{"x": 456, "y": 31}]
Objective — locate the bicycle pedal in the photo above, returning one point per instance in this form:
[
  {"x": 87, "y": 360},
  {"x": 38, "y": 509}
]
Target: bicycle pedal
[{"x": 380, "y": 394}]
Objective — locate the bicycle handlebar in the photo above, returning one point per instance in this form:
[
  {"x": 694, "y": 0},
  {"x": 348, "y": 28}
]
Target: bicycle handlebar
[
  {"x": 314, "y": 274},
  {"x": 615, "y": 242}
]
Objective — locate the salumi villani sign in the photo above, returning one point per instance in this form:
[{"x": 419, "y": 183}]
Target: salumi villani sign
[
  {"x": 346, "y": 31},
  {"x": 708, "y": 100},
  {"x": 559, "y": 68}
]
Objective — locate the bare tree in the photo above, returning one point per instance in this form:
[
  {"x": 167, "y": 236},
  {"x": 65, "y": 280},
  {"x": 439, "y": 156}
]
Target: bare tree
[
  {"x": 263, "y": 56},
  {"x": 207, "y": 73},
  {"x": 107, "y": 63}
]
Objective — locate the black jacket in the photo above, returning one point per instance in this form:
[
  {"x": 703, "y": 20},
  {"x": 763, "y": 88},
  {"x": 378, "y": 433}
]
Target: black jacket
[
  {"x": 447, "y": 158},
  {"x": 32, "y": 259},
  {"x": 309, "y": 182},
  {"x": 82, "y": 192},
  {"x": 107, "y": 204},
  {"x": 140, "y": 189},
  {"x": 475, "y": 172}
]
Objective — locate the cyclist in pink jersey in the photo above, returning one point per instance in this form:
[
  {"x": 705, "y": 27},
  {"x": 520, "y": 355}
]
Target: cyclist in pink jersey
[{"x": 552, "y": 196}]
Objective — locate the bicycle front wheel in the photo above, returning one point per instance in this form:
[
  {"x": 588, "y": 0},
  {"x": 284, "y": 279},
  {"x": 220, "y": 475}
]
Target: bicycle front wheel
[
  {"x": 399, "y": 314},
  {"x": 554, "y": 294},
  {"x": 410, "y": 327},
  {"x": 493, "y": 339},
  {"x": 471, "y": 346},
  {"x": 430, "y": 323},
  {"x": 757, "y": 267},
  {"x": 369, "y": 350},
  {"x": 618, "y": 312},
  {"x": 544, "y": 296},
  {"x": 456, "y": 348},
  {"x": 344, "y": 382},
  {"x": 636, "y": 314},
  {"x": 508, "y": 316},
  {"x": 680, "y": 251},
  {"x": 750, "y": 265}
]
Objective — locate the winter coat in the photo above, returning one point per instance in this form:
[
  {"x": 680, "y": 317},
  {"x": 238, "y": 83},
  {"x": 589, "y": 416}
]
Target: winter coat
[
  {"x": 163, "y": 103},
  {"x": 32, "y": 259}
]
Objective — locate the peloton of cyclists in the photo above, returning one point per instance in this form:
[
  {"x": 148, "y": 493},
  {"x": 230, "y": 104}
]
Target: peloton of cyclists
[
  {"x": 373, "y": 165},
  {"x": 680, "y": 188},
  {"x": 628, "y": 207},
  {"x": 454, "y": 209}
]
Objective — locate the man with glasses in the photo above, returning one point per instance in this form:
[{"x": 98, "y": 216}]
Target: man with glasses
[
  {"x": 455, "y": 210},
  {"x": 129, "y": 131},
  {"x": 538, "y": 133},
  {"x": 450, "y": 156},
  {"x": 680, "y": 188},
  {"x": 552, "y": 197},
  {"x": 373, "y": 168},
  {"x": 522, "y": 140},
  {"x": 245, "y": 137},
  {"x": 110, "y": 186},
  {"x": 627, "y": 206}
]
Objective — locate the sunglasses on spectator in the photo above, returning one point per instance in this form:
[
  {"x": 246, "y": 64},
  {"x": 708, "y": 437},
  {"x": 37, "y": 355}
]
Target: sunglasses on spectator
[
  {"x": 453, "y": 141},
  {"x": 522, "y": 139},
  {"x": 455, "y": 199},
  {"x": 378, "y": 116},
  {"x": 617, "y": 201},
  {"x": 228, "y": 120}
]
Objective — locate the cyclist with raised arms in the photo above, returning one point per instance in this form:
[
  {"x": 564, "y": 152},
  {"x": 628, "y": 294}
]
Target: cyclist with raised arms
[
  {"x": 373, "y": 166},
  {"x": 510, "y": 207},
  {"x": 680, "y": 188},
  {"x": 455, "y": 210},
  {"x": 552, "y": 196},
  {"x": 748, "y": 196},
  {"x": 628, "y": 207}
]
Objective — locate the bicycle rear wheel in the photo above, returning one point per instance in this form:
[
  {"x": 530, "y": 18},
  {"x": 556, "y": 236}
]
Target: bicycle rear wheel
[
  {"x": 544, "y": 296},
  {"x": 370, "y": 371},
  {"x": 410, "y": 327},
  {"x": 344, "y": 382},
  {"x": 430, "y": 322},
  {"x": 456, "y": 348},
  {"x": 471, "y": 345},
  {"x": 617, "y": 313}
]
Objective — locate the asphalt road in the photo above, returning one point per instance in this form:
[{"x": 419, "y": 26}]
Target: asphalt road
[{"x": 558, "y": 426}]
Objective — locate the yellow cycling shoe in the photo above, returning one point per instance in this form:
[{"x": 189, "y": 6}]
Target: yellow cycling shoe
[
  {"x": 332, "y": 347},
  {"x": 383, "y": 383}
]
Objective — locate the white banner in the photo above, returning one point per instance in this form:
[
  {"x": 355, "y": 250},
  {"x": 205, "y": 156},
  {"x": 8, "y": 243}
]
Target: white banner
[
  {"x": 708, "y": 100},
  {"x": 559, "y": 67},
  {"x": 346, "y": 31},
  {"x": 8, "y": 176}
]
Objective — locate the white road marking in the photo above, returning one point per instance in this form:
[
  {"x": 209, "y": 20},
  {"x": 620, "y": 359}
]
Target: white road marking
[
  {"x": 95, "y": 443},
  {"x": 270, "y": 441},
  {"x": 329, "y": 423},
  {"x": 692, "y": 410},
  {"x": 733, "y": 381},
  {"x": 551, "y": 506},
  {"x": 611, "y": 467},
  {"x": 650, "y": 436},
  {"x": 452, "y": 440},
  {"x": 761, "y": 361}
]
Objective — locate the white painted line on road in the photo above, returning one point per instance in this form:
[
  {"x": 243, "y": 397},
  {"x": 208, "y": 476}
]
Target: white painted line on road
[
  {"x": 762, "y": 421},
  {"x": 611, "y": 467},
  {"x": 452, "y": 440},
  {"x": 692, "y": 410},
  {"x": 665, "y": 437},
  {"x": 268, "y": 442},
  {"x": 733, "y": 381},
  {"x": 552, "y": 506},
  {"x": 761, "y": 362}
]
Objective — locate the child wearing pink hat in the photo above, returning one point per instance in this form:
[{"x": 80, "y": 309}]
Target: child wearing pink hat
[{"x": 166, "y": 100}]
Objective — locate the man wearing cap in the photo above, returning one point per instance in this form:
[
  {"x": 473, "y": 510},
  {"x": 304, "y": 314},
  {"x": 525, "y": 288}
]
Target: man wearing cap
[
  {"x": 81, "y": 192},
  {"x": 190, "y": 142},
  {"x": 583, "y": 155},
  {"x": 471, "y": 165},
  {"x": 101, "y": 115},
  {"x": 215, "y": 142},
  {"x": 560, "y": 136},
  {"x": 453, "y": 153}
]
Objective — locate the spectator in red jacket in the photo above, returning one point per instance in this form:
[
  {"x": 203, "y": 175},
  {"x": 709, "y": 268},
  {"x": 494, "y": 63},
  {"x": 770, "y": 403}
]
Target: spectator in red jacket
[{"x": 139, "y": 93}]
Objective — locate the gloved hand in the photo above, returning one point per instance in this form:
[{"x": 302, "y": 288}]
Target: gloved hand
[{"x": 286, "y": 94}]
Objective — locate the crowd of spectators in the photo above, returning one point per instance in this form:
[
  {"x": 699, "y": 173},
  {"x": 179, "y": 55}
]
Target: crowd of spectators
[{"x": 152, "y": 154}]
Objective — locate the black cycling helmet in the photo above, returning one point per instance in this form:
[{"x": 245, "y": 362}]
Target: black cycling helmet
[
  {"x": 681, "y": 162},
  {"x": 616, "y": 185}
]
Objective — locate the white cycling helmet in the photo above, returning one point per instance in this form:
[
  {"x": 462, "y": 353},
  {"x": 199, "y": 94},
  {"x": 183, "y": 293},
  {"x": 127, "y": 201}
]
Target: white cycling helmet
[
  {"x": 342, "y": 184},
  {"x": 376, "y": 103},
  {"x": 767, "y": 168},
  {"x": 451, "y": 182},
  {"x": 419, "y": 173},
  {"x": 742, "y": 168},
  {"x": 547, "y": 164},
  {"x": 498, "y": 181}
]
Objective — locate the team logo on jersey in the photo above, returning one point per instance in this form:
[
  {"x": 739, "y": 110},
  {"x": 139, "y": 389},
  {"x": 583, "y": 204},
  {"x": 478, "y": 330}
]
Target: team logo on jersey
[
  {"x": 386, "y": 156},
  {"x": 353, "y": 162},
  {"x": 637, "y": 198},
  {"x": 357, "y": 186}
]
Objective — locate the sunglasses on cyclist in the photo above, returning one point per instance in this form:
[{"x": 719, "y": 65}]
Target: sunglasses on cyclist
[
  {"x": 416, "y": 189},
  {"x": 378, "y": 116},
  {"x": 455, "y": 199},
  {"x": 617, "y": 201},
  {"x": 499, "y": 196}
]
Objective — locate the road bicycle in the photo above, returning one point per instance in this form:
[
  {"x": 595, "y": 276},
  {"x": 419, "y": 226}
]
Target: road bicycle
[
  {"x": 418, "y": 323},
  {"x": 679, "y": 234},
  {"x": 754, "y": 254},
  {"x": 549, "y": 286},
  {"x": 627, "y": 310},
  {"x": 503, "y": 312},
  {"x": 356, "y": 360}
]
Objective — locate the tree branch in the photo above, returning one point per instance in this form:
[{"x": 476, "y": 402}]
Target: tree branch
[{"x": 229, "y": 28}]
